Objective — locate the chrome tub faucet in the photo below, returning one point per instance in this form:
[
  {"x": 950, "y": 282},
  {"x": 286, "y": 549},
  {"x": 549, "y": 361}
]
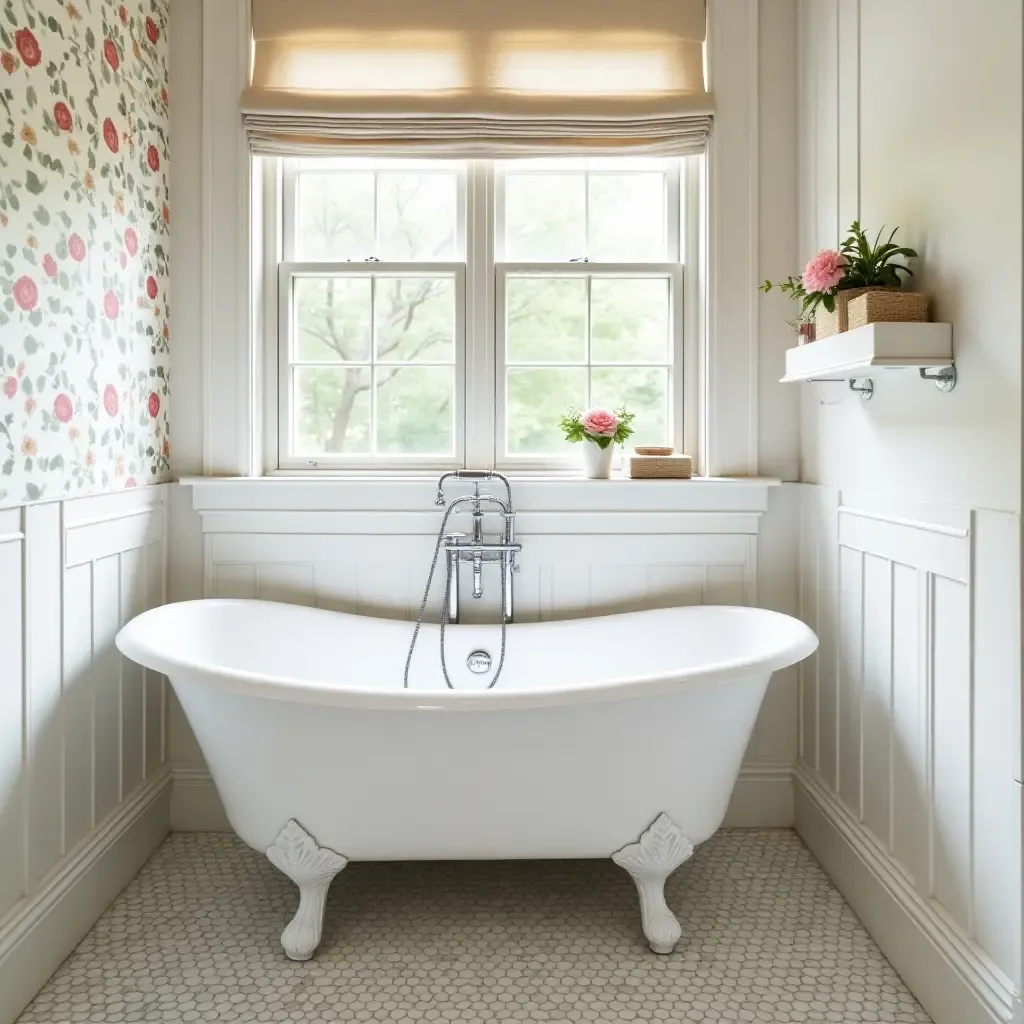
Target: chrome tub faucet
[{"x": 475, "y": 548}]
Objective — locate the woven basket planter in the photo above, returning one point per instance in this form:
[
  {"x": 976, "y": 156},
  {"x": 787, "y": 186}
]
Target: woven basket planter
[
  {"x": 878, "y": 307},
  {"x": 826, "y": 324}
]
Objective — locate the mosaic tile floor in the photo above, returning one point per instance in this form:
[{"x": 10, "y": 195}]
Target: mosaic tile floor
[{"x": 767, "y": 937}]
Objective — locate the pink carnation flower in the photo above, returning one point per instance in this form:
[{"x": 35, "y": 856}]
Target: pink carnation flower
[
  {"x": 824, "y": 271},
  {"x": 600, "y": 422}
]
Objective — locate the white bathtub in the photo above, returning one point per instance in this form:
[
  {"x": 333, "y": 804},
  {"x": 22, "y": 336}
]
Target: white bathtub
[{"x": 596, "y": 729}]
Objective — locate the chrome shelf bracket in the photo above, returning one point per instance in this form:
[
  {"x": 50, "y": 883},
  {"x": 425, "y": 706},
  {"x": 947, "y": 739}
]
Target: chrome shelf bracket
[
  {"x": 864, "y": 386},
  {"x": 943, "y": 377}
]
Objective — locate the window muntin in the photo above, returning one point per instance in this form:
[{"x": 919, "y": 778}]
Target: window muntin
[
  {"x": 355, "y": 210},
  {"x": 603, "y": 336},
  {"x": 583, "y": 306},
  {"x": 372, "y": 363},
  {"x": 601, "y": 210}
]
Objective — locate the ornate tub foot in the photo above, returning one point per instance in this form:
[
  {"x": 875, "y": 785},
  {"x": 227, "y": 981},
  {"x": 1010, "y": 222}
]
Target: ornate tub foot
[
  {"x": 661, "y": 849},
  {"x": 311, "y": 868}
]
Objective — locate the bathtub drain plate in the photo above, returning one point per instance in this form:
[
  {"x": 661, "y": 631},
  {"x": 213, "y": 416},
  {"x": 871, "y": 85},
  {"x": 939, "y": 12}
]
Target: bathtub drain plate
[{"x": 479, "y": 662}]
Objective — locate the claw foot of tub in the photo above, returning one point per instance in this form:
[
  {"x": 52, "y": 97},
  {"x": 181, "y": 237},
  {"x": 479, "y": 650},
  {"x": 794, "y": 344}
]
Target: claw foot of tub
[
  {"x": 311, "y": 868},
  {"x": 660, "y": 850}
]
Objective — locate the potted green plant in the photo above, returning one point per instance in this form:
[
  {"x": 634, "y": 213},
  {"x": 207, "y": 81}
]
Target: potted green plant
[
  {"x": 599, "y": 430},
  {"x": 833, "y": 279}
]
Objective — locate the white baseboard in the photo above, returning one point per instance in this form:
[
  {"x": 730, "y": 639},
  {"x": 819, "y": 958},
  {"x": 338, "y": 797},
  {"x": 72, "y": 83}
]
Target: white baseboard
[
  {"x": 950, "y": 975},
  {"x": 195, "y": 803},
  {"x": 763, "y": 798},
  {"x": 40, "y": 932}
]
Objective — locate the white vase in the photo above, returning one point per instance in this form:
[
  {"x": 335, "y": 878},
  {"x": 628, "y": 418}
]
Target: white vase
[{"x": 597, "y": 461}]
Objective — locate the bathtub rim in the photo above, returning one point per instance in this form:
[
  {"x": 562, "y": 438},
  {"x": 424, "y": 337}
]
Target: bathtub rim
[{"x": 802, "y": 644}]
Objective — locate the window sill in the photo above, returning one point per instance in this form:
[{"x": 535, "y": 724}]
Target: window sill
[{"x": 533, "y": 492}]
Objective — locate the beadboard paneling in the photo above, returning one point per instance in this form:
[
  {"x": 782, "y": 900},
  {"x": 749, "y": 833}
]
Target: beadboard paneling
[
  {"x": 908, "y": 711},
  {"x": 562, "y": 576},
  {"x": 12, "y": 710},
  {"x": 80, "y": 727}
]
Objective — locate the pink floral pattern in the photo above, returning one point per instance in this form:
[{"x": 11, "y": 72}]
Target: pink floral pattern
[{"x": 83, "y": 180}]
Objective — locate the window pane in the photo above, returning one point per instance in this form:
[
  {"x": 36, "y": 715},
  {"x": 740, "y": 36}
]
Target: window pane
[
  {"x": 332, "y": 410},
  {"x": 417, "y": 216},
  {"x": 547, "y": 319},
  {"x": 415, "y": 410},
  {"x": 415, "y": 319},
  {"x": 627, "y": 217},
  {"x": 335, "y": 216},
  {"x": 545, "y": 216},
  {"x": 332, "y": 317},
  {"x": 537, "y": 400},
  {"x": 643, "y": 391},
  {"x": 629, "y": 320}
]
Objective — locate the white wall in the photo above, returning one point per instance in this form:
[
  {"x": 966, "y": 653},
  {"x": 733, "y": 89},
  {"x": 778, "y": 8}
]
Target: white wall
[
  {"x": 84, "y": 791},
  {"x": 927, "y": 137},
  {"x": 909, "y": 787}
]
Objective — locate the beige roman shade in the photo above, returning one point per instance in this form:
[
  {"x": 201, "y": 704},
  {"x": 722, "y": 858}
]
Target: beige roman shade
[{"x": 477, "y": 77}]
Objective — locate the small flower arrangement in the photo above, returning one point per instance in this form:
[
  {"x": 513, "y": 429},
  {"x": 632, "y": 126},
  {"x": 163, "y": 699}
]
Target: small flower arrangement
[
  {"x": 857, "y": 263},
  {"x": 602, "y": 426}
]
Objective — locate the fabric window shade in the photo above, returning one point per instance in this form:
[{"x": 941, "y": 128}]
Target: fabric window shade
[{"x": 477, "y": 77}]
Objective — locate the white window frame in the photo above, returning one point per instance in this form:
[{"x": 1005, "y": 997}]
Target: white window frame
[{"x": 479, "y": 414}]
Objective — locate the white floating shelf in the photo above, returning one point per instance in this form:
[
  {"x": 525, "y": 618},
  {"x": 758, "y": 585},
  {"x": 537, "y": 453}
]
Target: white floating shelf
[{"x": 888, "y": 346}]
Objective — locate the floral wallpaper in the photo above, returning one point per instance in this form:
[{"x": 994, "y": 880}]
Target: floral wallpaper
[{"x": 84, "y": 232}]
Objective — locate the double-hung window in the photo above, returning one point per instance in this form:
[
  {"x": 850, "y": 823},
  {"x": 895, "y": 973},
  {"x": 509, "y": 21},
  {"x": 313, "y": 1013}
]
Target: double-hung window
[
  {"x": 372, "y": 314},
  {"x": 434, "y": 313},
  {"x": 588, "y": 299}
]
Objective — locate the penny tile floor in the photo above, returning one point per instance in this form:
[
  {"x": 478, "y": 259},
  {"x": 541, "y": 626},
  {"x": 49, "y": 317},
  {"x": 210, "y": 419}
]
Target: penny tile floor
[{"x": 767, "y": 937}]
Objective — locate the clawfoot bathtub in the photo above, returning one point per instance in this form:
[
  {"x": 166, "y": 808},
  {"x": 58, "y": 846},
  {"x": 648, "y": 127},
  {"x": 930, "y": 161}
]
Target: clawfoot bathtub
[{"x": 618, "y": 736}]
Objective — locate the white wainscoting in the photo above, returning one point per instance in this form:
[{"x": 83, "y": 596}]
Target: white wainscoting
[
  {"x": 908, "y": 781},
  {"x": 84, "y": 788},
  {"x": 693, "y": 543}
]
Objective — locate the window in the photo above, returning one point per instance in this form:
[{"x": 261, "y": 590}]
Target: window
[{"x": 435, "y": 314}]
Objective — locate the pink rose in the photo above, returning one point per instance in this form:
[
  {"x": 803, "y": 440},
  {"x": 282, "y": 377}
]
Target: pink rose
[
  {"x": 153, "y": 158},
  {"x": 151, "y": 30},
  {"x": 111, "y": 55},
  {"x": 49, "y": 265},
  {"x": 62, "y": 407},
  {"x": 154, "y": 403},
  {"x": 824, "y": 271},
  {"x": 28, "y": 47},
  {"x": 111, "y": 306},
  {"x": 110, "y": 135},
  {"x": 110, "y": 400},
  {"x": 26, "y": 293},
  {"x": 62, "y": 116},
  {"x": 130, "y": 482},
  {"x": 151, "y": 288},
  {"x": 131, "y": 241},
  {"x": 600, "y": 422},
  {"x": 11, "y": 387},
  {"x": 76, "y": 248}
]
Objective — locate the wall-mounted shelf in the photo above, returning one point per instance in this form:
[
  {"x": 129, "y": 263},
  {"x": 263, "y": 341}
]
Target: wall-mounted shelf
[{"x": 888, "y": 346}]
